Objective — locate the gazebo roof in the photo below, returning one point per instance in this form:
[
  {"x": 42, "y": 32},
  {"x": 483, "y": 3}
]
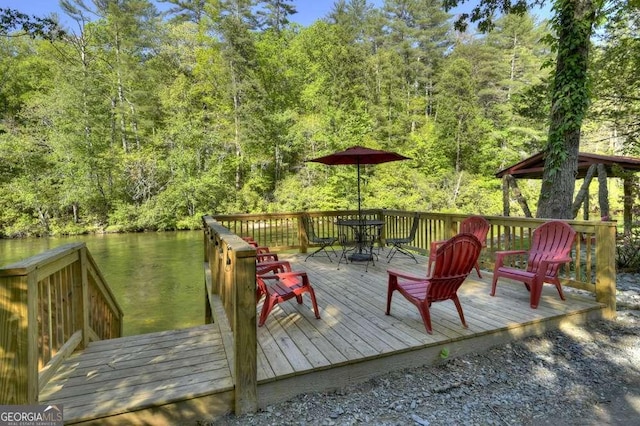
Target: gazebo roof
[{"x": 532, "y": 167}]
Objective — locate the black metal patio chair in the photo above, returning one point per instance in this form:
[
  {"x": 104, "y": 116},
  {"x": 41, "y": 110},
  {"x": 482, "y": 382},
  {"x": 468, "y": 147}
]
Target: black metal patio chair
[
  {"x": 398, "y": 243},
  {"x": 326, "y": 243}
]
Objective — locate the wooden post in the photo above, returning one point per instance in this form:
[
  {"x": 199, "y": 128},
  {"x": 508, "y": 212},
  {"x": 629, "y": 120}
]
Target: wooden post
[
  {"x": 14, "y": 340},
  {"x": 585, "y": 206},
  {"x": 32, "y": 338},
  {"x": 521, "y": 200},
  {"x": 302, "y": 233},
  {"x": 582, "y": 197},
  {"x": 606, "y": 267},
  {"x": 81, "y": 297},
  {"x": 603, "y": 191},
  {"x": 448, "y": 229},
  {"x": 245, "y": 342},
  {"x": 628, "y": 204},
  {"x": 382, "y": 237},
  {"x": 505, "y": 196},
  {"x": 208, "y": 286}
]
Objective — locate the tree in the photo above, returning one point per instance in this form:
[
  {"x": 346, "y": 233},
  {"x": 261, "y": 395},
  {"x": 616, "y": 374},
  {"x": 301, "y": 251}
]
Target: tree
[
  {"x": 275, "y": 14},
  {"x": 419, "y": 35},
  {"x": 617, "y": 81},
  {"x": 13, "y": 20},
  {"x": 573, "y": 23},
  {"x": 186, "y": 10},
  {"x": 513, "y": 84}
]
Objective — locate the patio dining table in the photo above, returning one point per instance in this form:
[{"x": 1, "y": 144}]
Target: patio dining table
[{"x": 364, "y": 231}]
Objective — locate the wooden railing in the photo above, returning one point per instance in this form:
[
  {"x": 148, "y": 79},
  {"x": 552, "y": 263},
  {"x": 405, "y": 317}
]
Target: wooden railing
[
  {"x": 230, "y": 265},
  {"x": 51, "y": 304},
  {"x": 592, "y": 269}
]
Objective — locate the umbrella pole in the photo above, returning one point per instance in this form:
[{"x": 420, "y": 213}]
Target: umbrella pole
[{"x": 359, "y": 209}]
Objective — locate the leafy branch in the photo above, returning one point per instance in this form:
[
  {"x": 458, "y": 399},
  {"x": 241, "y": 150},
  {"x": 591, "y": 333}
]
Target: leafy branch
[{"x": 12, "y": 21}]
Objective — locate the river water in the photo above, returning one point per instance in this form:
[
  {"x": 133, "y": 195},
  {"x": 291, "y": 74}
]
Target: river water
[{"x": 157, "y": 278}]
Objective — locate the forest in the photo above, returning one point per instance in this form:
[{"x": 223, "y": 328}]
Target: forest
[{"x": 135, "y": 120}]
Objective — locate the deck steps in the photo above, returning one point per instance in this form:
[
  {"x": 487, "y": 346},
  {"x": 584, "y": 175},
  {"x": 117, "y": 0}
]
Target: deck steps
[{"x": 113, "y": 378}]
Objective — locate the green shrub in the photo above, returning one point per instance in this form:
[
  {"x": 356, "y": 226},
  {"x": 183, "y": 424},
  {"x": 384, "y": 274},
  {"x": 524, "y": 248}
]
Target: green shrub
[{"x": 628, "y": 251}]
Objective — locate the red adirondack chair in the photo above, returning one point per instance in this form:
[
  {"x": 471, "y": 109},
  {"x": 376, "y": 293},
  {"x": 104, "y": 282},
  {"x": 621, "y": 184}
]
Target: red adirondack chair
[
  {"x": 264, "y": 256},
  {"x": 282, "y": 286},
  {"x": 254, "y": 243},
  {"x": 269, "y": 263},
  {"x": 476, "y": 225},
  {"x": 454, "y": 261},
  {"x": 550, "y": 247}
]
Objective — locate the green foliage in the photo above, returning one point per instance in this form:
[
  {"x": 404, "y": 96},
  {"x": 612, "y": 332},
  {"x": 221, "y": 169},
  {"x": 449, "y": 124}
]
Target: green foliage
[
  {"x": 628, "y": 251},
  {"x": 573, "y": 23},
  {"x": 444, "y": 353},
  {"x": 12, "y": 20},
  {"x": 616, "y": 81},
  {"x": 571, "y": 91},
  {"x": 140, "y": 124}
]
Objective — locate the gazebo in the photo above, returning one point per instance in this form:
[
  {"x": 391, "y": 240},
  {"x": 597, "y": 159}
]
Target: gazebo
[{"x": 588, "y": 164}]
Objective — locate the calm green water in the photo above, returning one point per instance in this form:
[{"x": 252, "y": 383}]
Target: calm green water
[{"x": 157, "y": 278}]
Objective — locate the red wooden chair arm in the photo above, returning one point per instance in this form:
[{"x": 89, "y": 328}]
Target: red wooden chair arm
[
  {"x": 265, "y": 257},
  {"x": 294, "y": 280},
  {"x": 279, "y": 266},
  {"x": 286, "y": 276},
  {"x": 406, "y": 276},
  {"x": 500, "y": 255},
  {"x": 269, "y": 277},
  {"x": 293, "y": 274},
  {"x": 544, "y": 264}
]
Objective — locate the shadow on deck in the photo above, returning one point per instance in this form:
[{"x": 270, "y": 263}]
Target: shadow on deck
[{"x": 183, "y": 376}]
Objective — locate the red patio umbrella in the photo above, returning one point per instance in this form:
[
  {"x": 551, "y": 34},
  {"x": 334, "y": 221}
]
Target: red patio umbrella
[{"x": 359, "y": 155}]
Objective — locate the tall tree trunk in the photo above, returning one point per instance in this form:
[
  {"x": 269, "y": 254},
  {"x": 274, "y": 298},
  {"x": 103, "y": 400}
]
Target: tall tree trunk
[
  {"x": 458, "y": 146},
  {"x": 573, "y": 22},
  {"x": 512, "y": 73},
  {"x": 628, "y": 184},
  {"x": 236, "y": 124},
  {"x": 120, "y": 89},
  {"x": 603, "y": 191}
]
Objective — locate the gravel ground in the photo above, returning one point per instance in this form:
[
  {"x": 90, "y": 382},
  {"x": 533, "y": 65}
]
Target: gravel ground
[{"x": 588, "y": 375}]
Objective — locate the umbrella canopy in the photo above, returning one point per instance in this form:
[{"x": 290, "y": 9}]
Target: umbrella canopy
[{"x": 359, "y": 155}]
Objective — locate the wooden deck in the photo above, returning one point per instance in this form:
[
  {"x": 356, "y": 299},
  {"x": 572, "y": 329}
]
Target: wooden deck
[{"x": 183, "y": 375}]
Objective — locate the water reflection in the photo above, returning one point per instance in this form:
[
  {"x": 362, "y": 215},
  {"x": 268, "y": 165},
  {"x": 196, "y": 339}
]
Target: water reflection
[{"x": 157, "y": 278}]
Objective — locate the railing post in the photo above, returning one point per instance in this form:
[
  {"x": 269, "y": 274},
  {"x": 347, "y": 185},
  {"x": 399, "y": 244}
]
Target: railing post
[
  {"x": 382, "y": 236},
  {"x": 81, "y": 297},
  {"x": 208, "y": 280},
  {"x": 451, "y": 227},
  {"x": 606, "y": 267},
  {"x": 245, "y": 342},
  {"x": 302, "y": 233},
  {"x": 16, "y": 386},
  {"x": 32, "y": 338}
]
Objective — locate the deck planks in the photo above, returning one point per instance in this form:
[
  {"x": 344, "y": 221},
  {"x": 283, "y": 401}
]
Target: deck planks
[
  {"x": 353, "y": 339},
  {"x": 352, "y": 304},
  {"x": 118, "y": 375}
]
